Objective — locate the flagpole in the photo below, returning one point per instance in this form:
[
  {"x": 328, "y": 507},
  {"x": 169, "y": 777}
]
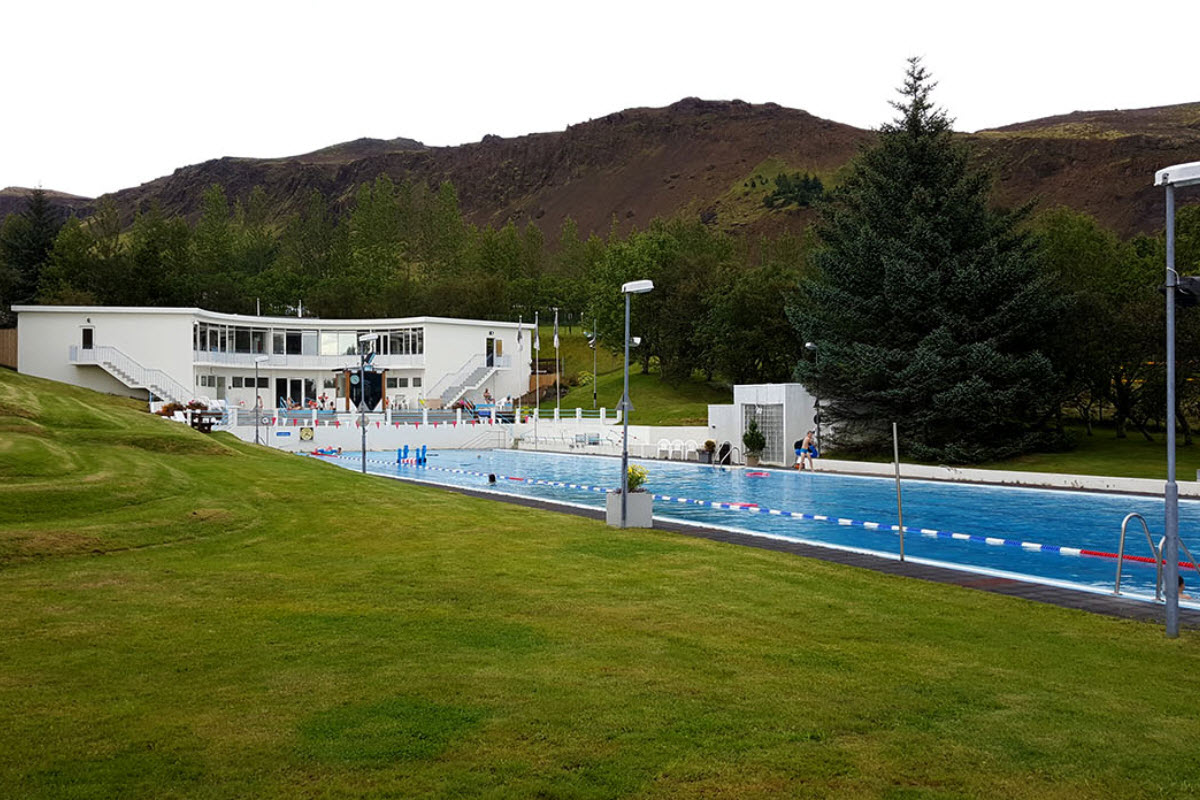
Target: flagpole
[
  {"x": 557, "y": 365},
  {"x": 537, "y": 380}
]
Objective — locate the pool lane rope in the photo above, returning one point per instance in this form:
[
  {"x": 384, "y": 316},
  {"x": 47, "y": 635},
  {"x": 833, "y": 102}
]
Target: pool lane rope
[{"x": 751, "y": 508}]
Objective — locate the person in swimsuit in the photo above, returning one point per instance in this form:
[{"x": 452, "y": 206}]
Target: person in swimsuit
[{"x": 805, "y": 453}]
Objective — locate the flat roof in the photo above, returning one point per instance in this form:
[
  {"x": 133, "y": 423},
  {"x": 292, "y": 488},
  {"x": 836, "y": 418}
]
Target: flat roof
[{"x": 251, "y": 320}]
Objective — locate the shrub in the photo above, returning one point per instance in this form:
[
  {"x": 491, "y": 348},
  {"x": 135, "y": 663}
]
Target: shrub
[{"x": 753, "y": 439}]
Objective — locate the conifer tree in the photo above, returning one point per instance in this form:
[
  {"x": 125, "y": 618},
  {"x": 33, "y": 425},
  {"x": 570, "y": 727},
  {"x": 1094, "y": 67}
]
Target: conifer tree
[{"x": 928, "y": 308}]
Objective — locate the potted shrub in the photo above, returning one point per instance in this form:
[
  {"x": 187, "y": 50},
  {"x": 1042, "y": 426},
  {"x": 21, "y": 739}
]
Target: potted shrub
[
  {"x": 639, "y": 505},
  {"x": 706, "y": 453},
  {"x": 754, "y": 442}
]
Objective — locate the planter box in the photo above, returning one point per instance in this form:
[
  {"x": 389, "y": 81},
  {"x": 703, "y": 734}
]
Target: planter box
[
  {"x": 639, "y": 510},
  {"x": 751, "y": 461},
  {"x": 705, "y": 457}
]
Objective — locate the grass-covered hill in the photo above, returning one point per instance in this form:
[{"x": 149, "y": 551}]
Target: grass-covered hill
[{"x": 187, "y": 617}]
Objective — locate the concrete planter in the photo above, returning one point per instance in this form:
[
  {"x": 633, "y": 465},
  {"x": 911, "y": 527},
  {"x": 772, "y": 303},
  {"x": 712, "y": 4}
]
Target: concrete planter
[
  {"x": 751, "y": 461},
  {"x": 705, "y": 457},
  {"x": 639, "y": 510}
]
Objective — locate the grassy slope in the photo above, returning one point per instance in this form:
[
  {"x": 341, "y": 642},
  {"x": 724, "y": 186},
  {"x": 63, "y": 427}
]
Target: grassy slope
[
  {"x": 654, "y": 402},
  {"x": 309, "y": 632}
]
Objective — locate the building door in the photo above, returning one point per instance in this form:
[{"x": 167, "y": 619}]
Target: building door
[
  {"x": 281, "y": 392},
  {"x": 89, "y": 338},
  {"x": 296, "y": 391},
  {"x": 490, "y": 349},
  {"x": 220, "y": 387},
  {"x": 310, "y": 391}
]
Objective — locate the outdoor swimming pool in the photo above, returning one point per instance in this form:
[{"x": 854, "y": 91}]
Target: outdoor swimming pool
[{"x": 994, "y": 529}]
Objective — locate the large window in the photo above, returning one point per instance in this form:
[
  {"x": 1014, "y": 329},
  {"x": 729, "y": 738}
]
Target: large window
[{"x": 406, "y": 341}]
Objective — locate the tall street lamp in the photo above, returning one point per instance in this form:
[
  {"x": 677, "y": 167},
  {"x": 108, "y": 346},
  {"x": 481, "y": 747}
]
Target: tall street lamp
[
  {"x": 362, "y": 391},
  {"x": 257, "y": 395},
  {"x": 633, "y": 287},
  {"x": 1180, "y": 175},
  {"x": 816, "y": 400}
]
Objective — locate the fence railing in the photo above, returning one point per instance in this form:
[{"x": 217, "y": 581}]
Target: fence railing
[{"x": 131, "y": 372}]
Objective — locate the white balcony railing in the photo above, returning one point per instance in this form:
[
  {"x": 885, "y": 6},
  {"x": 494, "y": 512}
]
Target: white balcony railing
[{"x": 304, "y": 362}]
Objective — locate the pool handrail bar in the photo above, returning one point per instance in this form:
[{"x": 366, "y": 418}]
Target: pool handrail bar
[
  {"x": 1154, "y": 550},
  {"x": 1191, "y": 559}
]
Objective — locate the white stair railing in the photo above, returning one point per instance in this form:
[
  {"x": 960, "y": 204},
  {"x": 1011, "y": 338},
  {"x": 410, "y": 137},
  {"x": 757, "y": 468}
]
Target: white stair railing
[{"x": 131, "y": 373}]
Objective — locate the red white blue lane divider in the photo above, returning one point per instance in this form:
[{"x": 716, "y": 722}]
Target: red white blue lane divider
[{"x": 752, "y": 508}]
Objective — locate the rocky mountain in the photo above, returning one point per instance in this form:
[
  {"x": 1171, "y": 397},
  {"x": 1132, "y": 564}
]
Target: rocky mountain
[
  {"x": 711, "y": 159},
  {"x": 13, "y": 199}
]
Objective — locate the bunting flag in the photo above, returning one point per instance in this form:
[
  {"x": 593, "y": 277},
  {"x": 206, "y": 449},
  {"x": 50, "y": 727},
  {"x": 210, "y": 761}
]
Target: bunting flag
[
  {"x": 556, "y": 329},
  {"x": 376, "y": 424},
  {"x": 337, "y": 423}
]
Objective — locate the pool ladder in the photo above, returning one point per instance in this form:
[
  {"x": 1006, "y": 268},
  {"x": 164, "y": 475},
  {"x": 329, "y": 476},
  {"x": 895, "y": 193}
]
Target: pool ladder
[{"x": 1156, "y": 551}]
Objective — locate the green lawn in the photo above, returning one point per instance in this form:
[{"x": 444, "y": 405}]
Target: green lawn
[
  {"x": 185, "y": 616},
  {"x": 1104, "y": 454}
]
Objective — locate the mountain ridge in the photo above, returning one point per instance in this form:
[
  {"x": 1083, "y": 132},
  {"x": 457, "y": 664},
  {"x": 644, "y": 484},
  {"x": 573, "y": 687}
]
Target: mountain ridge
[{"x": 709, "y": 158}]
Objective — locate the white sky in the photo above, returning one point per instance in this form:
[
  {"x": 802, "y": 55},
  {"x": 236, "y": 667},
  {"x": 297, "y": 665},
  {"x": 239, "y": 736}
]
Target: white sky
[{"x": 98, "y": 96}]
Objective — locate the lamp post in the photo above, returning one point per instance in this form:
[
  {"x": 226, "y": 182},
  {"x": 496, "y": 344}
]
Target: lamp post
[
  {"x": 362, "y": 391},
  {"x": 257, "y": 395},
  {"x": 816, "y": 400},
  {"x": 1180, "y": 175},
  {"x": 633, "y": 287}
]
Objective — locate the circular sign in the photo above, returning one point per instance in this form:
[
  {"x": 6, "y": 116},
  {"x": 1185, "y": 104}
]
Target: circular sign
[
  {"x": 266, "y": 420},
  {"x": 306, "y": 434},
  {"x": 354, "y": 379}
]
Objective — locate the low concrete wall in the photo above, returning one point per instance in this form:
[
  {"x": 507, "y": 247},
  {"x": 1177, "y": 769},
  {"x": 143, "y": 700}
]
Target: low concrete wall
[{"x": 1000, "y": 477}]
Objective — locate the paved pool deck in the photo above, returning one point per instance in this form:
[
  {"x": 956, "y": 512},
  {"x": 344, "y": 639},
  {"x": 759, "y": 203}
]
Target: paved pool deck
[{"x": 1108, "y": 605}]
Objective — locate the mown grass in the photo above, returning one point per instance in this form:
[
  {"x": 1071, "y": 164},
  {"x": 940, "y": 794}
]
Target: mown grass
[{"x": 219, "y": 622}]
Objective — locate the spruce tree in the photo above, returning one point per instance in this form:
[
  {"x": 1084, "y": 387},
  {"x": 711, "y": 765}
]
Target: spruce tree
[{"x": 929, "y": 308}]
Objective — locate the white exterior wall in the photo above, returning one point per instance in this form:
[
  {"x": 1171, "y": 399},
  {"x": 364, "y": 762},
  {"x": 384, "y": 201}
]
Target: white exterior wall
[
  {"x": 450, "y": 344},
  {"x": 155, "y": 338},
  {"x": 163, "y": 338},
  {"x": 725, "y": 421}
]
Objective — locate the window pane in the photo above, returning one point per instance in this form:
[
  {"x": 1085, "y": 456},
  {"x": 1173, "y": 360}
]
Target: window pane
[
  {"x": 329, "y": 343},
  {"x": 347, "y": 344},
  {"x": 277, "y": 346},
  {"x": 293, "y": 343},
  {"x": 419, "y": 349},
  {"x": 403, "y": 383},
  {"x": 309, "y": 346},
  {"x": 416, "y": 383},
  {"x": 258, "y": 341}
]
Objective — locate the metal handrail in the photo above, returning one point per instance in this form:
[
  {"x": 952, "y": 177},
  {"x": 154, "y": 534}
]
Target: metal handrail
[
  {"x": 1157, "y": 551},
  {"x": 155, "y": 380},
  {"x": 1191, "y": 559}
]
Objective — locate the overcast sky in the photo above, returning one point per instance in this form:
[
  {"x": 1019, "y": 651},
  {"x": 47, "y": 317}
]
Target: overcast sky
[{"x": 99, "y": 96}]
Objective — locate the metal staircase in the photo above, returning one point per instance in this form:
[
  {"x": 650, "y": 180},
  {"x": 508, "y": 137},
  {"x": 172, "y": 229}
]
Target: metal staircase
[
  {"x": 129, "y": 372},
  {"x": 470, "y": 375}
]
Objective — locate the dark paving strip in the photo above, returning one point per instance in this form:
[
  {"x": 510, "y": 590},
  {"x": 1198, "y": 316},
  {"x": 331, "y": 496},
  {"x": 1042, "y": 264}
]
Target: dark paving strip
[{"x": 1066, "y": 598}]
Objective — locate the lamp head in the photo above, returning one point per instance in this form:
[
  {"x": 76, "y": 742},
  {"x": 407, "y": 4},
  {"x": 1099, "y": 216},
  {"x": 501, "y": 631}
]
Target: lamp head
[
  {"x": 1179, "y": 175},
  {"x": 810, "y": 345},
  {"x": 637, "y": 287},
  {"x": 368, "y": 337},
  {"x": 261, "y": 359}
]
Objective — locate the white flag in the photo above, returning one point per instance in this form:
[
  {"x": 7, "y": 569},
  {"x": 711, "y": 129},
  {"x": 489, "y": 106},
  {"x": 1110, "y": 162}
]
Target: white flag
[
  {"x": 537, "y": 340},
  {"x": 556, "y": 329},
  {"x": 519, "y": 326}
]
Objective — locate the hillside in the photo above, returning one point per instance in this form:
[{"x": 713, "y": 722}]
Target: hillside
[
  {"x": 13, "y": 199},
  {"x": 704, "y": 158}
]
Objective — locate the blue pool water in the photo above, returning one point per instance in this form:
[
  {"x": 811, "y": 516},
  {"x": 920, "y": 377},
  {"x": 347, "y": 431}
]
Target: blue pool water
[{"x": 1048, "y": 517}]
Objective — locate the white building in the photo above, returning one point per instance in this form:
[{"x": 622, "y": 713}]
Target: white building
[
  {"x": 784, "y": 412},
  {"x": 178, "y": 354}
]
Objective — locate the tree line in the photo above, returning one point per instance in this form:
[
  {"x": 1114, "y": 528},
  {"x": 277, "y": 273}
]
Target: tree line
[{"x": 978, "y": 330}]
